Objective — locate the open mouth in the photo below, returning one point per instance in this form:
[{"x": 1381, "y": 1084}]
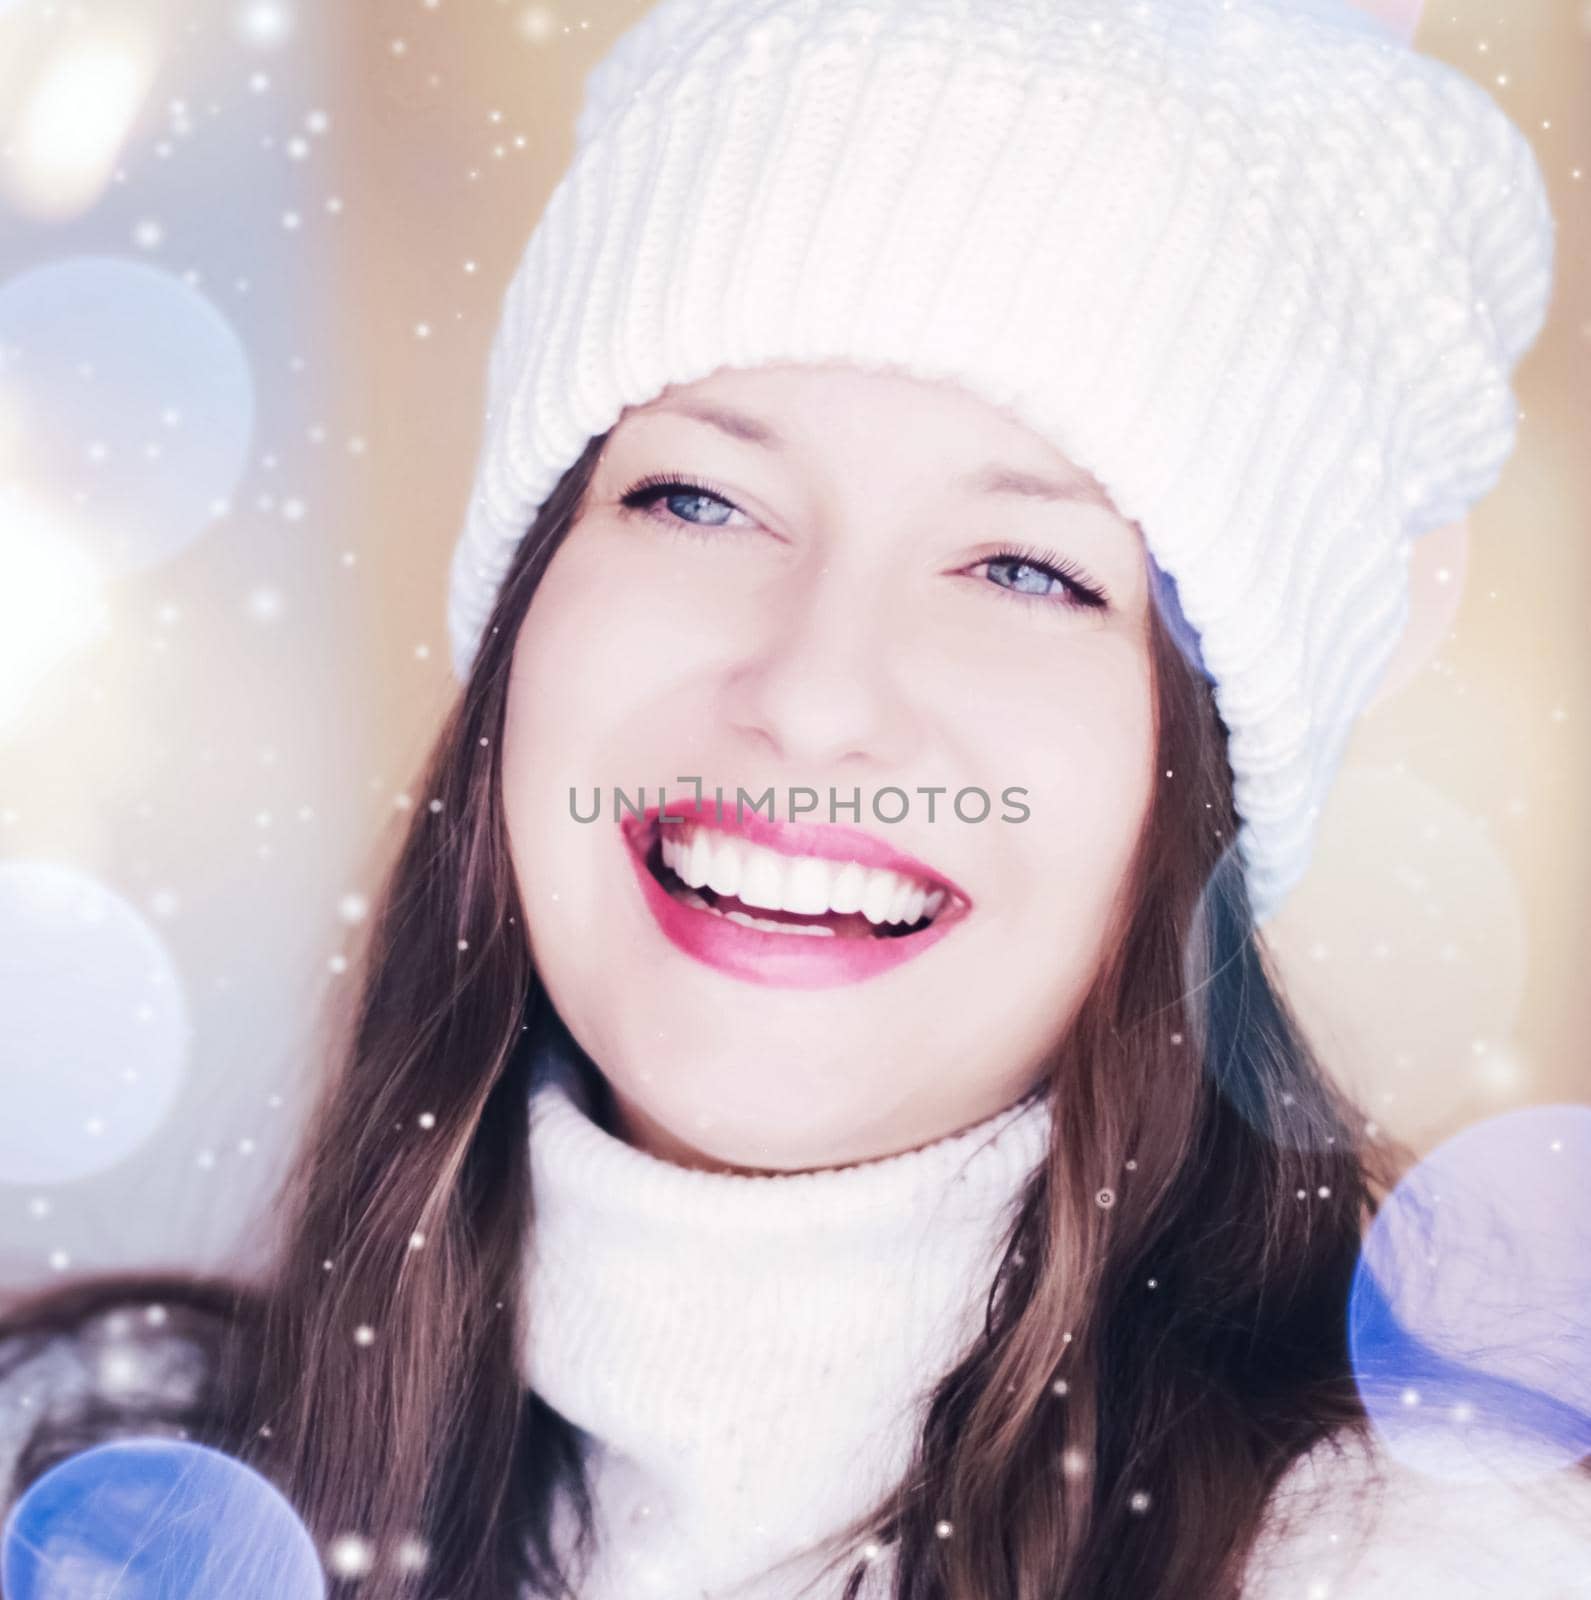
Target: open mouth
[{"x": 937, "y": 904}]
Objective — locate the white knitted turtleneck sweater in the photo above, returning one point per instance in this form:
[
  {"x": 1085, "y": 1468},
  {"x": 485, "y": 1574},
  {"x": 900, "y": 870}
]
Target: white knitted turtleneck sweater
[
  {"x": 750, "y": 1356},
  {"x": 750, "y": 1353}
]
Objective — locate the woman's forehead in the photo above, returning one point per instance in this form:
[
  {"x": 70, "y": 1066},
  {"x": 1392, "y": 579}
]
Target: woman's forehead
[{"x": 838, "y": 409}]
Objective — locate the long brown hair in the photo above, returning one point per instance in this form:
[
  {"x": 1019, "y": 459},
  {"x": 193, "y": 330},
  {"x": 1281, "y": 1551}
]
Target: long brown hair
[{"x": 1153, "y": 1356}]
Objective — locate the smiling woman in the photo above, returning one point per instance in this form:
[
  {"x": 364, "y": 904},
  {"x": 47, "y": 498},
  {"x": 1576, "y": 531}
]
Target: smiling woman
[
  {"x": 863, "y": 1199},
  {"x": 848, "y": 618}
]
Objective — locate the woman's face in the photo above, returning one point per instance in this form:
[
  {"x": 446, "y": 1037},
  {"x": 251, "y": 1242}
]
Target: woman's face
[{"x": 830, "y": 618}]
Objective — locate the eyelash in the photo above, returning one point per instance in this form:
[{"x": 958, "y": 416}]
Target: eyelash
[{"x": 1081, "y": 595}]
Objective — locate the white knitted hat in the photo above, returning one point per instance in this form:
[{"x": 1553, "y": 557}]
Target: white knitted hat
[{"x": 1257, "y": 265}]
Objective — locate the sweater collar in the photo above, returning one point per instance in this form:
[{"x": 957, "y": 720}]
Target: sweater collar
[{"x": 751, "y": 1355}]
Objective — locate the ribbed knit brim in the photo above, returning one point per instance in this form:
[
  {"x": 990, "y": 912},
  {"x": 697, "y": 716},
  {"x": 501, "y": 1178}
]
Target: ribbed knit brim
[{"x": 1259, "y": 267}]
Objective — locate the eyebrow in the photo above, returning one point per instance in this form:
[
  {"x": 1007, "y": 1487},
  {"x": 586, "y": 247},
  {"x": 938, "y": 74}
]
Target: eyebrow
[
  {"x": 996, "y": 479},
  {"x": 735, "y": 423},
  {"x": 993, "y": 478}
]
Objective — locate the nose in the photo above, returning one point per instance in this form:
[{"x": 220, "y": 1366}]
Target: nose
[{"x": 824, "y": 685}]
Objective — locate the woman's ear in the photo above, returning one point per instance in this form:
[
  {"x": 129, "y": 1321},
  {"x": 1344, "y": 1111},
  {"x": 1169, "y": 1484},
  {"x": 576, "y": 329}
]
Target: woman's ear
[
  {"x": 1404, "y": 15},
  {"x": 1437, "y": 566}
]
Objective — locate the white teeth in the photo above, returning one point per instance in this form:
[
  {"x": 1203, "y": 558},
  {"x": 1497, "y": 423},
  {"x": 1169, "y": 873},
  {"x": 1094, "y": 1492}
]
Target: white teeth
[
  {"x": 845, "y": 892},
  {"x": 698, "y": 857},
  {"x": 808, "y": 885},
  {"x": 763, "y": 882},
  {"x": 810, "y": 930},
  {"x": 879, "y": 895},
  {"x": 723, "y": 875},
  {"x": 814, "y": 930}
]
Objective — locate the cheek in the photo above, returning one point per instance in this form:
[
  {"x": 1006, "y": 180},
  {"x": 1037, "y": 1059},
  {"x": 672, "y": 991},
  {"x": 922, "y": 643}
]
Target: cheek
[
  {"x": 1079, "y": 737},
  {"x": 572, "y": 676},
  {"x": 599, "y": 643},
  {"x": 599, "y": 648},
  {"x": 590, "y": 640}
]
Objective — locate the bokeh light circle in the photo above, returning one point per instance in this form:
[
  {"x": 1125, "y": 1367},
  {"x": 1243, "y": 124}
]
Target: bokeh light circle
[
  {"x": 1470, "y": 1314},
  {"x": 96, "y": 1036},
  {"x": 136, "y": 402},
  {"x": 156, "y": 1519}
]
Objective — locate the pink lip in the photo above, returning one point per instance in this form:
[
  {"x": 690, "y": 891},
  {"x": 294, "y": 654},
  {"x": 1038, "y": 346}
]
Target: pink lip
[{"x": 783, "y": 960}]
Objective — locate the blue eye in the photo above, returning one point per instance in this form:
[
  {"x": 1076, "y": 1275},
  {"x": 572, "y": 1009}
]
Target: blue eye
[
  {"x": 647, "y": 494},
  {"x": 1060, "y": 583},
  {"x": 1078, "y": 592}
]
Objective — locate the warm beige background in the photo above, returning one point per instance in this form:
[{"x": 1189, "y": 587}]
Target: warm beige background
[
  {"x": 1438, "y": 946},
  {"x": 1443, "y": 998}
]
